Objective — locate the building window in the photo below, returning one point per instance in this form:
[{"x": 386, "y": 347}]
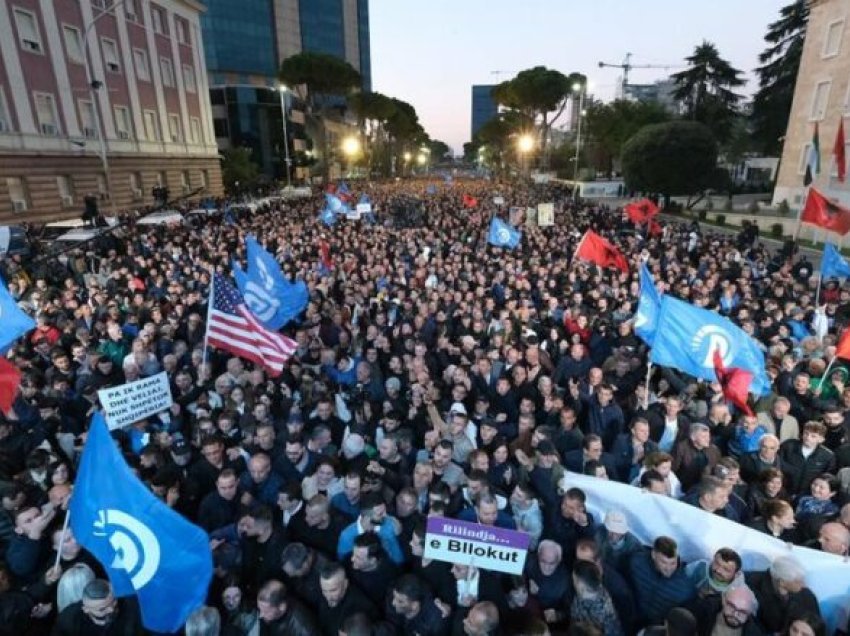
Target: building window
[
  {"x": 804, "y": 158},
  {"x": 140, "y": 61},
  {"x": 110, "y": 55},
  {"x": 189, "y": 78},
  {"x": 28, "y": 34},
  {"x": 167, "y": 69},
  {"x": 65, "y": 185},
  {"x": 48, "y": 120},
  {"x": 122, "y": 122},
  {"x": 195, "y": 124},
  {"x": 17, "y": 193},
  {"x": 162, "y": 179},
  {"x": 73, "y": 44},
  {"x": 5, "y": 120},
  {"x": 151, "y": 126},
  {"x": 87, "y": 119},
  {"x": 205, "y": 179},
  {"x": 174, "y": 127},
  {"x": 832, "y": 41},
  {"x": 185, "y": 180},
  {"x": 136, "y": 186},
  {"x": 182, "y": 31},
  {"x": 158, "y": 20},
  {"x": 220, "y": 127},
  {"x": 102, "y": 188},
  {"x": 820, "y": 99},
  {"x": 131, "y": 10}
]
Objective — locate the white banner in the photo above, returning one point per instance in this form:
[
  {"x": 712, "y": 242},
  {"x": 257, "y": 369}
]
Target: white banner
[
  {"x": 545, "y": 214},
  {"x": 499, "y": 200},
  {"x": 487, "y": 547},
  {"x": 700, "y": 534},
  {"x": 364, "y": 208},
  {"x": 129, "y": 403}
]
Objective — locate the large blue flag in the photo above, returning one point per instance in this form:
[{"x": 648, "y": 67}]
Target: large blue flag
[
  {"x": 503, "y": 235},
  {"x": 646, "y": 318},
  {"x": 327, "y": 217},
  {"x": 687, "y": 336},
  {"x": 268, "y": 294},
  {"x": 145, "y": 547},
  {"x": 833, "y": 264},
  {"x": 15, "y": 322}
]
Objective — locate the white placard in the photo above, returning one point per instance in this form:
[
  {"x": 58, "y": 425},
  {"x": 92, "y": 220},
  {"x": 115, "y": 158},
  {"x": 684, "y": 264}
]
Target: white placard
[
  {"x": 486, "y": 547},
  {"x": 364, "y": 208},
  {"x": 134, "y": 401},
  {"x": 499, "y": 200},
  {"x": 545, "y": 214}
]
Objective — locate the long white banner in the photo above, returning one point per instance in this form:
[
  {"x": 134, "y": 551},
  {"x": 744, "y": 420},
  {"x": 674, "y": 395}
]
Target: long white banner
[{"x": 700, "y": 534}]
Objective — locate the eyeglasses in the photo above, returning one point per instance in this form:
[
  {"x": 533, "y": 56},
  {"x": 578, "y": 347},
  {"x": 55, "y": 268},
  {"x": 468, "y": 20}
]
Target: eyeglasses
[{"x": 738, "y": 611}]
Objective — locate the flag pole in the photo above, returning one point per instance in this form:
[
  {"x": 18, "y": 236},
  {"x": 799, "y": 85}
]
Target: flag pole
[
  {"x": 62, "y": 537},
  {"x": 646, "y": 393},
  {"x": 210, "y": 302},
  {"x": 826, "y": 372},
  {"x": 800, "y": 214},
  {"x": 817, "y": 293},
  {"x": 578, "y": 248}
]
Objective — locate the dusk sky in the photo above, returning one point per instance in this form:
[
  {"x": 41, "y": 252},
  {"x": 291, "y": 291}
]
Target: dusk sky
[{"x": 430, "y": 53}]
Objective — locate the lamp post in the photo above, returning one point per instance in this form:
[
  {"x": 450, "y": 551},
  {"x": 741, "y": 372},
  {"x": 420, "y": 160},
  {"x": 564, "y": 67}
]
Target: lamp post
[
  {"x": 582, "y": 89},
  {"x": 350, "y": 148},
  {"x": 93, "y": 86},
  {"x": 282, "y": 89},
  {"x": 525, "y": 144}
]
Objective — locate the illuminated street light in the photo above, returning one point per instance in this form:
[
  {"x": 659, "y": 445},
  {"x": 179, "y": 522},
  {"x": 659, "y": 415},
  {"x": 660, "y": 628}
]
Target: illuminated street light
[
  {"x": 525, "y": 143},
  {"x": 350, "y": 146},
  {"x": 421, "y": 159}
]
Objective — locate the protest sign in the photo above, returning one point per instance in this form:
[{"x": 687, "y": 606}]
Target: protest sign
[
  {"x": 531, "y": 217},
  {"x": 499, "y": 200},
  {"x": 545, "y": 214},
  {"x": 134, "y": 401},
  {"x": 474, "y": 544},
  {"x": 515, "y": 217},
  {"x": 364, "y": 208}
]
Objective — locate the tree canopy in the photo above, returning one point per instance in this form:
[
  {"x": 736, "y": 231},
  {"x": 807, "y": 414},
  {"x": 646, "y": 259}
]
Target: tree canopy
[
  {"x": 672, "y": 158},
  {"x": 778, "y": 75}
]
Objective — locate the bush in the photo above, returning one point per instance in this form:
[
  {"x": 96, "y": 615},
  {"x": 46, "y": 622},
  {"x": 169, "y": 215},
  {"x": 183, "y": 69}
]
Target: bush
[
  {"x": 721, "y": 219},
  {"x": 777, "y": 230},
  {"x": 783, "y": 207},
  {"x": 729, "y": 206},
  {"x": 753, "y": 207},
  {"x": 702, "y": 214}
]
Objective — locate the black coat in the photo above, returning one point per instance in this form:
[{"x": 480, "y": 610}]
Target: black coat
[{"x": 800, "y": 471}]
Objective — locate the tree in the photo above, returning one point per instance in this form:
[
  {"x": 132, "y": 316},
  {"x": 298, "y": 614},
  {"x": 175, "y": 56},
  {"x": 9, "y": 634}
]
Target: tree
[
  {"x": 674, "y": 158},
  {"x": 317, "y": 79},
  {"x": 239, "y": 171},
  {"x": 778, "y": 75},
  {"x": 540, "y": 95},
  {"x": 705, "y": 92},
  {"x": 440, "y": 150},
  {"x": 373, "y": 111},
  {"x": 498, "y": 136},
  {"x": 609, "y": 126}
]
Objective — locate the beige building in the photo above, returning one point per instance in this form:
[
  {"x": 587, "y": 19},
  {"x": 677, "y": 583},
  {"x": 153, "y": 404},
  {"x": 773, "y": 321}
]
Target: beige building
[{"x": 822, "y": 96}]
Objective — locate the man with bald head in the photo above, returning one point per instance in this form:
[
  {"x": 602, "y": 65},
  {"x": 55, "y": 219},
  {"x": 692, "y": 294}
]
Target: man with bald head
[
  {"x": 733, "y": 612},
  {"x": 834, "y": 538}
]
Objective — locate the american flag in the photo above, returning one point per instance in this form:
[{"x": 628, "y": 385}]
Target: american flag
[{"x": 233, "y": 327}]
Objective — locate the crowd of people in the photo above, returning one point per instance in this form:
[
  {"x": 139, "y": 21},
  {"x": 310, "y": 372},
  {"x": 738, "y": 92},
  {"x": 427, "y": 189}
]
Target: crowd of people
[{"x": 435, "y": 375}]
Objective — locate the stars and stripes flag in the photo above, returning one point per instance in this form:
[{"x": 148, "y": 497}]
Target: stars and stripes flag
[{"x": 232, "y": 327}]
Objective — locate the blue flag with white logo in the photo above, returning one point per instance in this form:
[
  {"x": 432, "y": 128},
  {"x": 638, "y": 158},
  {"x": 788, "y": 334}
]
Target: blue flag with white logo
[
  {"x": 145, "y": 547},
  {"x": 15, "y": 322},
  {"x": 335, "y": 204},
  {"x": 268, "y": 294},
  {"x": 327, "y": 217},
  {"x": 646, "y": 318},
  {"x": 687, "y": 336},
  {"x": 503, "y": 235},
  {"x": 832, "y": 264}
]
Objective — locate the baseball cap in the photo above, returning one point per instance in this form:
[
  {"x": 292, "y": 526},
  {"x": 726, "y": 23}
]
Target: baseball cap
[
  {"x": 393, "y": 384},
  {"x": 181, "y": 447},
  {"x": 699, "y": 425},
  {"x": 458, "y": 409},
  {"x": 615, "y": 521}
]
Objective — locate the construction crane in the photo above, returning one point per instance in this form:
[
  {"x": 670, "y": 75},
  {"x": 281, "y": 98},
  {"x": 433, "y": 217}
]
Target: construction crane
[{"x": 627, "y": 66}]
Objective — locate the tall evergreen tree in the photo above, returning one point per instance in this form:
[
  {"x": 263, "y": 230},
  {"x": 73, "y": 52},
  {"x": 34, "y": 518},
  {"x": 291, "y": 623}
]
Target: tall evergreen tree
[
  {"x": 705, "y": 90},
  {"x": 777, "y": 76}
]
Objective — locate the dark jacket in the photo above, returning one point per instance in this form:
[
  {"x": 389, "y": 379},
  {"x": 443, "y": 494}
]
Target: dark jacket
[
  {"x": 623, "y": 453},
  {"x": 72, "y": 621},
  {"x": 689, "y": 465},
  {"x": 298, "y": 621},
  {"x": 752, "y": 466},
  {"x": 428, "y": 622},
  {"x": 657, "y": 594},
  {"x": 800, "y": 471},
  {"x": 605, "y": 421},
  {"x": 354, "y": 601},
  {"x": 775, "y": 610},
  {"x": 574, "y": 462},
  {"x": 706, "y": 609}
]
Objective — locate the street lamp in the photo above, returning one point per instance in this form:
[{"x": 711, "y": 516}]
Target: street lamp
[
  {"x": 525, "y": 144},
  {"x": 581, "y": 89},
  {"x": 421, "y": 159},
  {"x": 350, "y": 148},
  {"x": 282, "y": 89}
]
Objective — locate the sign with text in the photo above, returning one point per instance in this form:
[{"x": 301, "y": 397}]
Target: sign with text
[
  {"x": 545, "y": 214},
  {"x": 135, "y": 401},
  {"x": 499, "y": 200},
  {"x": 363, "y": 208},
  {"x": 467, "y": 543},
  {"x": 531, "y": 217},
  {"x": 516, "y": 215}
]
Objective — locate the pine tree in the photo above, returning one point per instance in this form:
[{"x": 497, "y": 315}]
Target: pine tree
[{"x": 778, "y": 75}]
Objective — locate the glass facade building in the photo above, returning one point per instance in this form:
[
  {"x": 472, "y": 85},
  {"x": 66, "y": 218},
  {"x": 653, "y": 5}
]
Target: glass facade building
[{"x": 483, "y": 107}]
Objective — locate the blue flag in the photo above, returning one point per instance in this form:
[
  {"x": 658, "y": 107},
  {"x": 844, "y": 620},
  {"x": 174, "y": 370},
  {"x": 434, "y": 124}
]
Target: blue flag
[
  {"x": 364, "y": 199},
  {"x": 431, "y": 189},
  {"x": 687, "y": 336},
  {"x": 335, "y": 204},
  {"x": 229, "y": 219},
  {"x": 269, "y": 295},
  {"x": 646, "y": 318},
  {"x": 343, "y": 188},
  {"x": 503, "y": 235},
  {"x": 15, "y": 322},
  {"x": 328, "y": 217},
  {"x": 145, "y": 547},
  {"x": 832, "y": 264}
]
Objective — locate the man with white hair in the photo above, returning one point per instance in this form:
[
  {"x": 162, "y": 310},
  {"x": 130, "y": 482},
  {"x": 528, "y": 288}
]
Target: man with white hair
[{"x": 781, "y": 593}]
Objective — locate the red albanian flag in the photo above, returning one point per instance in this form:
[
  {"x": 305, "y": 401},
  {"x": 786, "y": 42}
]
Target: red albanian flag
[
  {"x": 641, "y": 211},
  {"x": 10, "y": 380},
  {"x": 596, "y": 249},
  {"x": 469, "y": 201},
  {"x": 824, "y": 213},
  {"x": 734, "y": 382}
]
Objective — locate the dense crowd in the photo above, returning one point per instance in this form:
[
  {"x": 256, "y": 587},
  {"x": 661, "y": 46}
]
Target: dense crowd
[{"x": 435, "y": 375}]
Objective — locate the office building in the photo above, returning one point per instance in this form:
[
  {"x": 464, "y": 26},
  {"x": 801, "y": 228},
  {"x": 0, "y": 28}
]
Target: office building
[
  {"x": 484, "y": 108},
  {"x": 246, "y": 103},
  {"x": 146, "y": 123},
  {"x": 822, "y": 96}
]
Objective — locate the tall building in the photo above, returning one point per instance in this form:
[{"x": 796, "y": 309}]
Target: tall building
[
  {"x": 660, "y": 92},
  {"x": 483, "y": 107},
  {"x": 101, "y": 99},
  {"x": 247, "y": 107},
  {"x": 822, "y": 96}
]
